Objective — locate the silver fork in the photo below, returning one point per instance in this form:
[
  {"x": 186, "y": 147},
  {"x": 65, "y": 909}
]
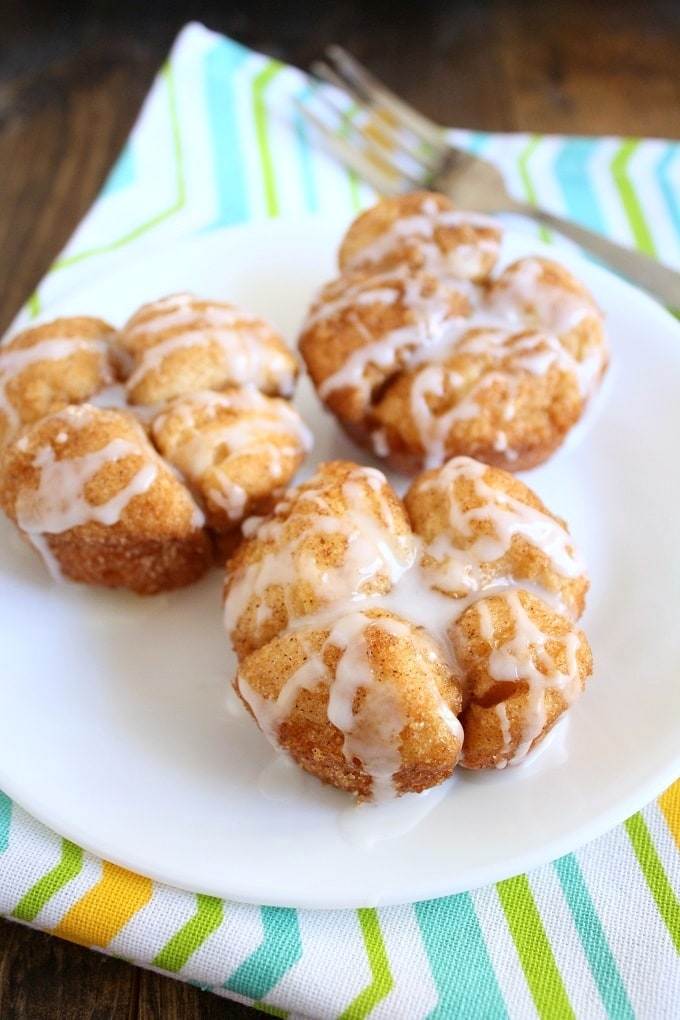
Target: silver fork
[{"x": 395, "y": 149}]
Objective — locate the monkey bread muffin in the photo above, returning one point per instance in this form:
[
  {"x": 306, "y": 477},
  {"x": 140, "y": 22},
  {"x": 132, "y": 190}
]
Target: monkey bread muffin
[
  {"x": 89, "y": 491},
  {"x": 132, "y": 458},
  {"x": 422, "y": 353},
  {"x": 381, "y": 641},
  {"x": 181, "y": 344},
  {"x": 46, "y": 367}
]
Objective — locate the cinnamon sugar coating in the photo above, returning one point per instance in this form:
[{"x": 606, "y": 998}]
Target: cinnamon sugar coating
[
  {"x": 88, "y": 490},
  {"x": 346, "y": 601},
  {"x": 46, "y": 367},
  {"x": 181, "y": 344},
  {"x": 159, "y": 387},
  {"x": 422, "y": 230},
  {"x": 421, "y": 360}
]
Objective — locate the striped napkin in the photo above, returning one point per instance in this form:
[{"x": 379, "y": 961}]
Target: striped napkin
[{"x": 593, "y": 934}]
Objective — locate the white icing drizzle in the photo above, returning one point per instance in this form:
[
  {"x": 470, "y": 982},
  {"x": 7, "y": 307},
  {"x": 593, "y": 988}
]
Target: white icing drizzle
[
  {"x": 525, "y": 656},
  {"x": 463, "y": 571},
  {"x": 14, "y": 360},
  {"x": 371, "y": 733},
  {"x": 513, "y": 328},
  {"x": 430, "y": 587},
  {"x": 522, "y": 297},
  {"x": 181, "y": 310},
  {"x": 270, "y": 429},
  {"x": 418, "y": 229},
  {"x": 250, "y": 348},
  {"x": 428, "y": 317},
  {"x": 373, "y": 547},
  {"x": 110, "y": 397},
  {"x": 508, "y": 357},
  {"x": 366, "y": 823},
  {"x": 59, "y": 502}
]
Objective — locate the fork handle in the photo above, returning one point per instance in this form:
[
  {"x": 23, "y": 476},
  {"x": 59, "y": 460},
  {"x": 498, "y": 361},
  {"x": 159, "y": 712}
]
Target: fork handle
[{"x": 658, "y": 279}]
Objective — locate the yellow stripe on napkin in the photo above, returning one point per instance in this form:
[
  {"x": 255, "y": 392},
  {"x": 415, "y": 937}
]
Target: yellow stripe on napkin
[
  {"x": 105, "y": 908},
  {"x": 669, "y": 802}
]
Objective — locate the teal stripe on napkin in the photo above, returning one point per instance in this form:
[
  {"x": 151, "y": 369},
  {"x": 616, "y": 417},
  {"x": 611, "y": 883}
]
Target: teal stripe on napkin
[
  {"x": 571, "y": 170},
  {"x": 458, "y": 958},
  {"x": 221, "y": 64},
  {"x": 5, "y": 820},
  {"x": 280, "y": 949},
  {"x": 602, "y": 963}
]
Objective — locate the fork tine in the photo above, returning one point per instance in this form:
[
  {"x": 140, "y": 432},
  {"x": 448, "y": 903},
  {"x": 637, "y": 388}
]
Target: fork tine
[
  {"x": 376, "y": 92},
  {"x": 384, "y": 179},
  {"x": 390, "y": 161},
  {"x": 389, "y": 132}
]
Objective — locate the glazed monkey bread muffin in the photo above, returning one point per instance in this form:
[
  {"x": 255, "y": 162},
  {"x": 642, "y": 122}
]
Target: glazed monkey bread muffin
[
  {"x": 422, "y": 354},
  {"x": 181, "y": 344},
  {"x": 380, "y": 641},
  {"x": 342, "y": 534},
  {"x": 422, "y": 231},
  {"x": 188, "y": 397},
  {"x": 236, "y": 447},
  {"x": 89, "y": 491},
  {"x": 47, "y": 367}
]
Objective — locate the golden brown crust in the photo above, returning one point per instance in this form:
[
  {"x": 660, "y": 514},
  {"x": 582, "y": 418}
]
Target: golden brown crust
[
  {"x": 439, "y": 236},
  {"x": 395, "y": 706},
  {"x": 419, "y": 364},
  {"x": 524, "y": 666},
  {"x": 46, "y": 367},
  {"x": 86, "y": 484},
  {"x": 469, "y": 584}
]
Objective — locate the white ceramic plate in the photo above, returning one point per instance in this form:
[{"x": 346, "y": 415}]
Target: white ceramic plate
[{"x": 115, "y": 724}]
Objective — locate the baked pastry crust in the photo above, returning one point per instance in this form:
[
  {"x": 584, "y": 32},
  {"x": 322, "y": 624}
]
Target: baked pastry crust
[
  {"x": 181, "y": 344},
  {"x": 419, "y": 364},
  {"x": 46, "y": 367},
  {"x": 422, "y": 230},
  {"x": 85, "y": 486},
  {"x": 237, "y": 449},
  {"x": 226, "y": 453},
  {"x": 347, "y": 596}
]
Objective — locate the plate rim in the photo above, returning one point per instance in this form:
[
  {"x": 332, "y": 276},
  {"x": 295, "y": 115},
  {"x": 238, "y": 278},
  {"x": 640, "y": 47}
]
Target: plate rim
[{"x": 642, "y": 795}]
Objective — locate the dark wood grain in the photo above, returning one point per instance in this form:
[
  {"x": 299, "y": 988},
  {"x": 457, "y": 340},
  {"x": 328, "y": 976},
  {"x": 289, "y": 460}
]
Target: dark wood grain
[
  {"x": 42, "y": 976},
  {"x": 45, "y": 978},
  {"x": 161, "y": 998},
  {"x": 72, "y": 78},
  {"x": 600, "y": 68}
]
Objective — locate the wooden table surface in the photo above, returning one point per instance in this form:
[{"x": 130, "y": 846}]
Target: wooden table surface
[{"x": 72, "y": 78}]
